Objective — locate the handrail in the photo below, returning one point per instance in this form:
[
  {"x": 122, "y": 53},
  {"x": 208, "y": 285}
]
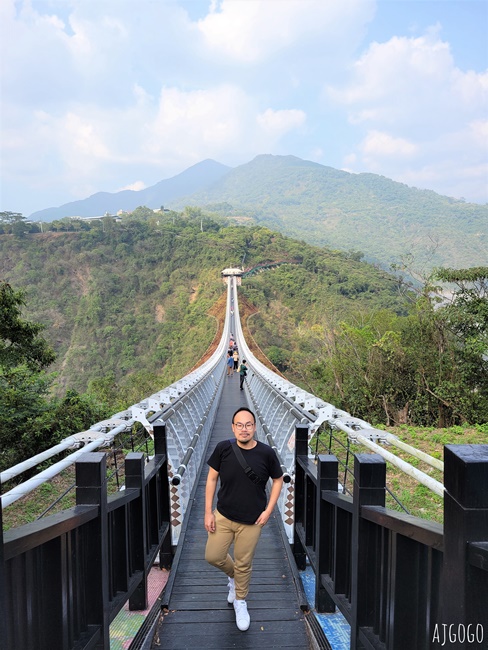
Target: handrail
[
  {"x": 176, "y": 480},
  {"x": 415, "y": 473},
  {"x": 31, "y": 484}
]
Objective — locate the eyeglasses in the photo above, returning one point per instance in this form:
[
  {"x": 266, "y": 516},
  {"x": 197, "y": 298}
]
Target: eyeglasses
[{"x": 239, "y": 426}]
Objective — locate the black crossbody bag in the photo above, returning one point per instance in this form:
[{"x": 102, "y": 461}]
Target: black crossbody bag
[{"x": 250, "y": 473}]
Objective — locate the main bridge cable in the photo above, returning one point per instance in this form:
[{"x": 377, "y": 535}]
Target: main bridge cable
[
  {"x": 31, "y": 484},
  {"x": 319, "y": 412}
]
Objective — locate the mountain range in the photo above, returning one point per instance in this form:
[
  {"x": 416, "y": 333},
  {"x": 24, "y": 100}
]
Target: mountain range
[
  {"x": 191, "y": 180},
  {"x": 385, "y": 220}
]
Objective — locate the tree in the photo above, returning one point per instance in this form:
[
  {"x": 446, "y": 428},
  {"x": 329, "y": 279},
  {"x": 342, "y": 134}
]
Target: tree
[
  {"x": 23, "y": 384},
  {"x": 278, "y": 357},
  {"x": 13, "y": 223},
  {"x": 467, "y": 309},
  {"x": 23, "y": 401},
  {"x": 30, "y": 420},
  {"x": 20, "y": 340},
  {"x": 429, "y": 367},
  {"x": 192, "y": 212},
  {"x": 464, "y": 311},
  {"x": 142, "y": 212}
]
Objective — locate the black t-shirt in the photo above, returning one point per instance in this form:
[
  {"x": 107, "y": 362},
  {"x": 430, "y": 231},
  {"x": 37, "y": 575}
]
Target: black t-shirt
[{"x": 238, "y": 498}]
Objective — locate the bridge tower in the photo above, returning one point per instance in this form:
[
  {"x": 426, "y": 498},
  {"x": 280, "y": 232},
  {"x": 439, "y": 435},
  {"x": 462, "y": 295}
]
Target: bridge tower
[{"x": 232, "y": 273}]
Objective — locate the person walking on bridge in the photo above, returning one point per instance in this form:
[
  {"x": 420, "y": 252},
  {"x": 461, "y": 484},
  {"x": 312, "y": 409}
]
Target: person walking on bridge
[
  {"x": 242, "y": 372},
  {"x": 230, "y": 364},
  {"x": 243, "y": 466}
]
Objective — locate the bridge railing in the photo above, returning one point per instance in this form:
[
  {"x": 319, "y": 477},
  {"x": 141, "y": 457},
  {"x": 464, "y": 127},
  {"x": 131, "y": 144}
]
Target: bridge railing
[
  {"x": 64, "y": 578},
  {"x": 400, "y": 581},
  {"x": 188, "y": 426}
]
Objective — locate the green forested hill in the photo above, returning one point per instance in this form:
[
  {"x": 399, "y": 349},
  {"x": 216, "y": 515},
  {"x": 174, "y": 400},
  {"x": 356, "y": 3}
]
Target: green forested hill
[
  {"x": 363, "y": 212},
  {"x": 128, "y": 303}
]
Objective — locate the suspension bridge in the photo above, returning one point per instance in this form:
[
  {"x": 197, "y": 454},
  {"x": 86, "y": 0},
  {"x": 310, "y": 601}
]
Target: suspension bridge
[{"x": 393, "y": 580}]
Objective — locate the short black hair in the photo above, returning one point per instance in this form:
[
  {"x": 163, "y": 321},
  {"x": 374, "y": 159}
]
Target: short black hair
[{"x": 244, "y": 408}]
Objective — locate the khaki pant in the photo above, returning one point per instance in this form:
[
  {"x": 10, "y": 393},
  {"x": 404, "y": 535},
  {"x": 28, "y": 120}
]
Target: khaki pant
[{"x": 245, "y": 538}]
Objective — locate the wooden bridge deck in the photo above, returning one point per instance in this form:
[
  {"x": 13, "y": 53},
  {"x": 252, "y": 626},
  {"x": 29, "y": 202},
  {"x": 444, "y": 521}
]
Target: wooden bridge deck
[{"x": 198, "y": 613}]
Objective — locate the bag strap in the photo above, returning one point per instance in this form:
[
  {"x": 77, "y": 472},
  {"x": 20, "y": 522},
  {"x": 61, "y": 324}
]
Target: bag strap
[{"x": 251, "y": 474}]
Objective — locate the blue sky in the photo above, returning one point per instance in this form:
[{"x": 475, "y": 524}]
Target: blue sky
[{"x": 103, "y": 95}]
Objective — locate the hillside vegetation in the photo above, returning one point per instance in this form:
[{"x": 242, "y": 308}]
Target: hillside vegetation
[
  {"x": 324, "y": 206},
  {"x": 128, "y": 304}
]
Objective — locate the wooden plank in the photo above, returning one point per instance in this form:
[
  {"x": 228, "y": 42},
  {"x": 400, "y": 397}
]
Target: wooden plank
[
  {"x": 222, "y": 615},
  {"x": 216, "y": 601},
  {"x": 262, "y": 636}
]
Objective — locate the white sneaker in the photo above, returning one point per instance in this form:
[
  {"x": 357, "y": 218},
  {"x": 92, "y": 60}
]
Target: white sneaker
[
  {"x": 243, "y": 619},
  {"x": 232, "y": 591}
]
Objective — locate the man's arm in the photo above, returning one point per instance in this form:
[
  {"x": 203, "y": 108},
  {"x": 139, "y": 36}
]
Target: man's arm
[
  {"x": 273, "y": 498},
  {"x": 210, "y": 487}
]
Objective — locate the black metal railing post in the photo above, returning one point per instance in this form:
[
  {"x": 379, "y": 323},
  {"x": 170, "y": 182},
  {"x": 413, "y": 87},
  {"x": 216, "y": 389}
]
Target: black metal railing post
[
  {"x": 91, "y": 489},
  {"x": 327, "y": 479},
  {"x": 134, "y": 478},
  {"x": 301, "y": 449},
  {"x": 369, "y": 489},
  {"x": 3, "y": 588},
  {"x": 159, "y": 432},
  {"x": 464, "y": 595},
  {"x": 160, "y": 449}
]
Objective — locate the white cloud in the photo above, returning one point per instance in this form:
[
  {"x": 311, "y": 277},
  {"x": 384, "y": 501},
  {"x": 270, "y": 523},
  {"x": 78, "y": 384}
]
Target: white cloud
[
  {"x": 83, "y": 139},
  {"x": 136, "y": 187},
  {"x": 411, "y": 81},
  {"x": 279, "y": 122},
  {"x": 249, "y": 31},
  {"x": 384, "y": 145},
  {"x": 188, "y": 124},
  {"x": 213, "y": 123},
  {"x": 419, "y": 117},
  {"x": 454, "y": 164}
]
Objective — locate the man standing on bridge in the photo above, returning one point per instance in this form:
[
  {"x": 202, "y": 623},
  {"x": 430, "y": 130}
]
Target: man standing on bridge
[
  {"x": 242, "y": 374},
  {"x": 241, "y": 509}
]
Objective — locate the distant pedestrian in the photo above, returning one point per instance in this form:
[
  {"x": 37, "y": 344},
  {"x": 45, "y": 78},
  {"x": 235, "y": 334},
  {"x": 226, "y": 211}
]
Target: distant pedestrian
[
  {"x": 242, "y": 373},
  {"x": 230, "y": 364},
  {"x": 235, "y": 356}
]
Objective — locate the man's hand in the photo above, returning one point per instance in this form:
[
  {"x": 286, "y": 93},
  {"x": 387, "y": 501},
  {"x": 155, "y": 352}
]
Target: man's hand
[
  {"x": 210, "y": 487},
  {"x": 262, "y": 520},
  {"x": 210, "y": 523}
]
